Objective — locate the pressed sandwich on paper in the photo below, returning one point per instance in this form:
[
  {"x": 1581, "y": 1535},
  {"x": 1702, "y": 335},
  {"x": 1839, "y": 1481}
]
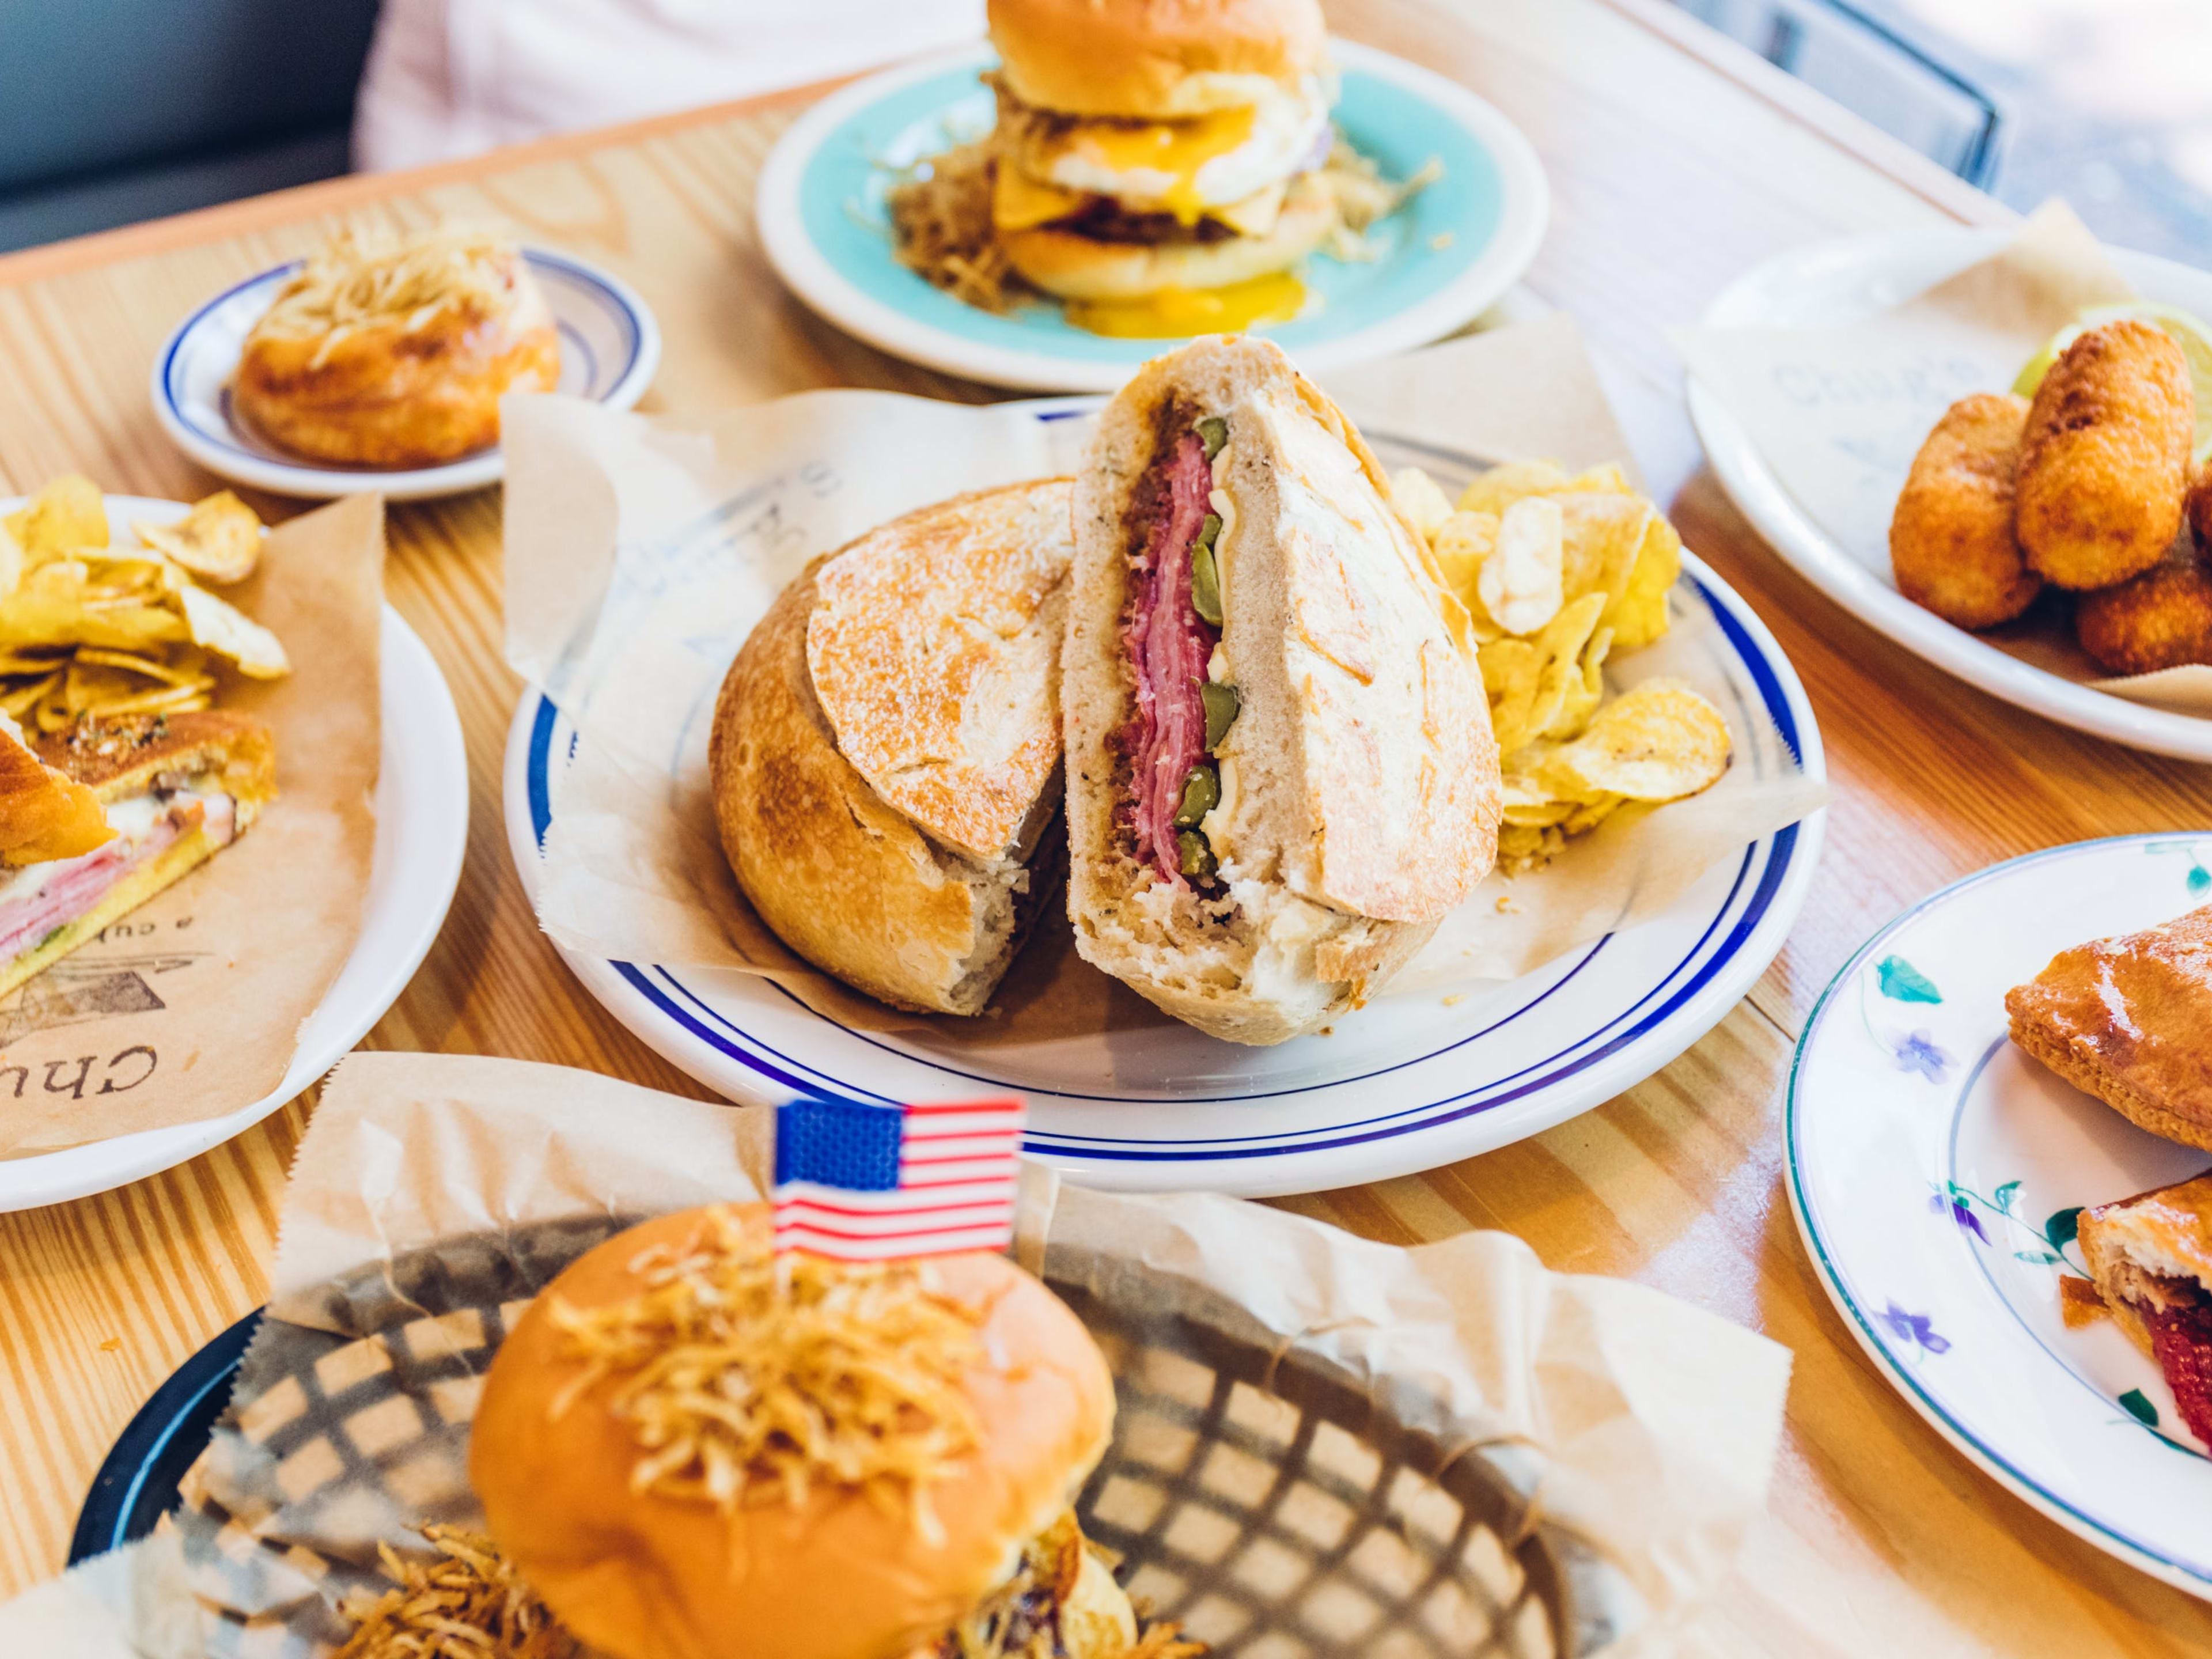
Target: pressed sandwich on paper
[
  {"x": 1280, "y": 768},
  {"x": 97, "y": 820}
]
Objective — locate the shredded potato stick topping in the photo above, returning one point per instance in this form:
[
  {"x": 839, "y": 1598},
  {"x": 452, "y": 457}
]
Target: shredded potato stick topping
[
  {"x": 744, "y": 1379},
  {"x": 468, "y": 1604},
  {"x": 941, "y": 214},
  {"x": 364, "y": 276}
]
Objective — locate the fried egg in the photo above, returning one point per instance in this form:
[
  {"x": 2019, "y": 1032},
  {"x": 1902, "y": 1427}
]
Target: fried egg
[{"x": 1184, "y": 168}]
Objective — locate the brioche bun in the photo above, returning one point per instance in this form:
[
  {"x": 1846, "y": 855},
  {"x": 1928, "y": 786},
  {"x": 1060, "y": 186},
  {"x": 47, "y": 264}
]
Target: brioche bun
[
  {"x": 640, "y": 1575},
  {"x": 389, "y": 395},
  {"x": 1153, "y": 59},
  {"x": 1079, "y": 268}
]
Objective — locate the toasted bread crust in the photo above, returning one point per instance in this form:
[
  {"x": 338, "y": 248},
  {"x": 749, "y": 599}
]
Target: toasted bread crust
[
  {"x": 931, "y": 646},
  {"x": 44, "y": 812},
  {"x": 2092, "y": 1076},
  {"x": 843, "y": 877},
  {"x": 119, "y": 758},
  {"x": 392, "y": 396}
]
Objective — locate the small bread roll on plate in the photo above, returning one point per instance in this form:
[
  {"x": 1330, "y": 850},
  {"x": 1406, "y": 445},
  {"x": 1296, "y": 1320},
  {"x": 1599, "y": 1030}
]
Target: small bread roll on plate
[{"x": 387, "y": 352}]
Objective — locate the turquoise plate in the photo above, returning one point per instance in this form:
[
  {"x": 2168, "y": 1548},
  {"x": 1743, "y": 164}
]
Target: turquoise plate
[{"x": 1448, "y": 254}]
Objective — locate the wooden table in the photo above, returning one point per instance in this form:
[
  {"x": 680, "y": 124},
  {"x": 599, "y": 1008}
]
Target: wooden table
[{"x": 1677, "y": 161}]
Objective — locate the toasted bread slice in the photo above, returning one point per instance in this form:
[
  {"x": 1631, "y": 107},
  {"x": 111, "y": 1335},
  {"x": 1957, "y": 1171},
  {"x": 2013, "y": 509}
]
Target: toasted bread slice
[{"x": 45, "y": 813}]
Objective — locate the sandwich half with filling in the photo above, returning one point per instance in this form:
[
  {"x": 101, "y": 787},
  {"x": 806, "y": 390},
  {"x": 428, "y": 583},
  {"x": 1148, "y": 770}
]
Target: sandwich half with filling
[
  {"x": 96, "y": 820},
  {"x": 885, "y": 755},
  {"x": 1281, "y": 768},
  {"x": 694, "y": 1449}
]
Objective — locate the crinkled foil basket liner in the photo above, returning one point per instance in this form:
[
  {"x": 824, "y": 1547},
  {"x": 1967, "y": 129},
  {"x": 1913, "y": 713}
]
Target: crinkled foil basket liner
[{"x": 1258, "y": 1494}]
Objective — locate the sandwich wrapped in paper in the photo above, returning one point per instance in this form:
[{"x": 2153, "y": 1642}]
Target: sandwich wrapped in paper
[{"x": 1304, "y": 1425}]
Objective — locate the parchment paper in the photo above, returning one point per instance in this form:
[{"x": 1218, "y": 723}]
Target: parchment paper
[
  {"x": 640, "y": 553},
  {"x": 190, "y": 1006},
  {"x": 1839, "y": 413},
  {"x": 1659, "y": 1422}
]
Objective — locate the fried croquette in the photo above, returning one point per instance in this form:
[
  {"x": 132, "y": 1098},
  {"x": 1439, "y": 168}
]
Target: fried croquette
[
  {"x": 1950, "y": 540},
  {"x": 2161, "y": 619},
  {"x": 2105, "y": 456},
  {"x": 2197, "y": 508}
]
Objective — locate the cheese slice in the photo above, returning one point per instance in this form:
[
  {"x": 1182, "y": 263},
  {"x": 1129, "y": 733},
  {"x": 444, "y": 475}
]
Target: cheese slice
[{"x": 1019, "y": 202}]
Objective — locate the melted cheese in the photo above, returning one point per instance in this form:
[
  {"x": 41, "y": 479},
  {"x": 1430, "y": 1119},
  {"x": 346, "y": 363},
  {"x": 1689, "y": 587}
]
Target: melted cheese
[
  {"x": 1256, "y": 214},
  {"x": 1175, "y": 150},
  {"x": 1019, "y": 202},
  {"x": 1177, "y": 314}
]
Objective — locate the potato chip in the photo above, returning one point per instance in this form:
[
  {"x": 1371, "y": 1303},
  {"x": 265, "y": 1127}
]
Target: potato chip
[
  {"x": 218, "y": 540},
  {"x": 183, "y": 666},
  {"x": 1659, "y": 742},
  {"x": 1639, "y": 616},
  {"x": 225, "y": 630},
  {"x": 17, "y": 701},
  {"x": 1499, "y": 488},
  {"x": 1511, "y": 672},
  {"x": 1558, "y": 653},
  {"x": 1519, "y": 584},
  {"x": 68, "y": 514},
  {"x": 1421, "y": 499}
]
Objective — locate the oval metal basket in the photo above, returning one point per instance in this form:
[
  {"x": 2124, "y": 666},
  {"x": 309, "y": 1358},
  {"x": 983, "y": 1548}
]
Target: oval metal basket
[{"x": 1255, "y": 1491}]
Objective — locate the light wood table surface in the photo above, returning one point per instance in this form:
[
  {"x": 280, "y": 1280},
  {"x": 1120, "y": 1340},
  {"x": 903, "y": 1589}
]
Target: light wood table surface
[{"x": 1676, "y": 161}]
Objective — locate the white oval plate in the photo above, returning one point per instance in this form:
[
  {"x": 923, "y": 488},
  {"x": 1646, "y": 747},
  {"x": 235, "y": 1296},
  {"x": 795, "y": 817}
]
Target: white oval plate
[
  {"x": 421, "y": 829},
  {"x": 610, "y": 348},
  {"x": 1407, "y": 1083},
  {"x": 1934, "y": 1167},
  {"x": 1448, "y": 255},
  {"x": 1839, "y": 282}
]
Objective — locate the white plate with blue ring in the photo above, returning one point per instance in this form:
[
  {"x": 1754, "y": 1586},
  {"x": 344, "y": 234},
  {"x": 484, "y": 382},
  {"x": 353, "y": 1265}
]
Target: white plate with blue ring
[
  {"x": 421, "y": 805},
  {"x": 1832, "y": 285},
  {"x": 610, "y": 349},
  {"x": 1937, "y": 1174},
  {"x": 1443, "y": 259},
  {"x": 1408, "y": 1083}
]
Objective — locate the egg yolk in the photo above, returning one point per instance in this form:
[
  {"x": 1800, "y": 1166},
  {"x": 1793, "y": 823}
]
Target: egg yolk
[
  {"x": 1180, "y": 148},
  {"x": 1179, "y": 313}
]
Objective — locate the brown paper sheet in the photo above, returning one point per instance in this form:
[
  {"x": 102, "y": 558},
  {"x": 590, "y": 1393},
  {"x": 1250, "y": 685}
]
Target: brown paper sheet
[
  {"x": 189, "y": 1007},
  {"x": 1654, "y": 1425},
  {"x": 1839, "y": 413},
  {"x": 708, "y": 520}
]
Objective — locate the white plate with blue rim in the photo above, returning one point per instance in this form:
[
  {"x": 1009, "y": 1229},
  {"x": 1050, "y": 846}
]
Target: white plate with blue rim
[
  {"x": 610, "y": 348},
  {"x": 1938, "y": 1173},
  {"x": 1441, "y": 260},
  {"x": 421, "y": 830},
  {"x": 1409, "y": 1083}
]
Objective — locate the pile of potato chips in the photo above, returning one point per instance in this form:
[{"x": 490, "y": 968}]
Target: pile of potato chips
[
  {"x": 1557, "y": 572},
  {"x": 90, "y": 629}
]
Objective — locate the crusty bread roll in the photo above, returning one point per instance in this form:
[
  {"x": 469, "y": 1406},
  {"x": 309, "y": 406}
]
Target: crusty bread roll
[
  {"x": 885, "y": 754},
  {"x": 1359, "y": 788},
  {"x": 642, "y": 1575},
  {"x": 389, "y": 353},
  {"x": 45, "y": 813},
  {"x": 1077, "y": 267},
  {"x": 1159, "y": 60}
]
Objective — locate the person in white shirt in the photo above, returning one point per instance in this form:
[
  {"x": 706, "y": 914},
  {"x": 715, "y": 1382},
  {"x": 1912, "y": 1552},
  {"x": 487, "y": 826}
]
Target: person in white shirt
[{"x": 452, "y": 77}]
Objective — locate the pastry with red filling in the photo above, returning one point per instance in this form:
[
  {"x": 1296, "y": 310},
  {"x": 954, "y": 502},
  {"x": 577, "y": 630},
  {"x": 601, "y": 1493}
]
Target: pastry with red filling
[
  {"x": 1281, "y": 768},
  {"x": 2151, "y": 1256}
]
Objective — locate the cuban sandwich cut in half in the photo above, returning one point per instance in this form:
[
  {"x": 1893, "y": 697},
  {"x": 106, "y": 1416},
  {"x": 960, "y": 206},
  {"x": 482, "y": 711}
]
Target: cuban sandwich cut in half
[
  {"x": 1281, "y": 768},
  {"x": 96, "y": 820}
]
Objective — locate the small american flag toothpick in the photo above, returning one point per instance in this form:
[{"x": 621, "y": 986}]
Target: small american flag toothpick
[{"x": 866, "y": 1183}]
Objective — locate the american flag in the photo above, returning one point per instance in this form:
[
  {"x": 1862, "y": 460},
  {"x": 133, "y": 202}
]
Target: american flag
[{"x": 865, "y": 1182}]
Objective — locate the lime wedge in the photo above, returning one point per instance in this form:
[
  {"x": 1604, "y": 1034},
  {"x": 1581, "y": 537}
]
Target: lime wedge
[{"x": 2192, "y": 331}]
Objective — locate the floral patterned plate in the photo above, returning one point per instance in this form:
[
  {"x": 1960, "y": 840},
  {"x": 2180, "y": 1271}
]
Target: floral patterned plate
[{"x": 1937, "y": 1172}]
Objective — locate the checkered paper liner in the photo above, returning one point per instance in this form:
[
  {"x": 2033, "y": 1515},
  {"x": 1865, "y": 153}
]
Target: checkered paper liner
[{"x": 1255, "y": 1493}]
